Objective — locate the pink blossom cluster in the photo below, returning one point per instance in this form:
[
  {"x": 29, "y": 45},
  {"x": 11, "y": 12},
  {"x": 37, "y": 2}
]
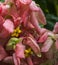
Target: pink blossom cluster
[{"x": 26, "y": 15}]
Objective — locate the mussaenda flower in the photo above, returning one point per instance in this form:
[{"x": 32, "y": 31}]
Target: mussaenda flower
[
  {"x": 28, "y": 52},
  {"x": 21, "y": 35},
  {"x": 16, "y": 32}
]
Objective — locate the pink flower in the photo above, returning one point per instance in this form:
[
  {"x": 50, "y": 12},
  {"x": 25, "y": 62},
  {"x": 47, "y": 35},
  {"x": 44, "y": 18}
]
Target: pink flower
[
  {"x": 2, "y": 53},
  {"x": 25, "y": 2},
  {"x": 29, "y": 61},
  {"x": 16, "y": 59},
  {"x": 56, "y": 28},
  {"x": 33, "y": 44},
  {"x": 56, "y": 44},
  {"x": 19, "y": 50},
  {"x": 8, "y": 25},
  {"x": 43, "y": 38},
  {"x": 47, "y": 45}
]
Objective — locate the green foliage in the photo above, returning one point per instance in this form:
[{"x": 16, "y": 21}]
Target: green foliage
[
  {"x": 50, "y": 8},
  {"x": 1, "y": 0},
  {"x": 12, "y": 42},
  {"x": 51, "y": 20}
]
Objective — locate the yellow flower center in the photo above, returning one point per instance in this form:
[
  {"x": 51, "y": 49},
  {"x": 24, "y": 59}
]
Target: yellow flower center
[
  {"x": 28, "y": 52},
  {"x": 16, "y": 32}
]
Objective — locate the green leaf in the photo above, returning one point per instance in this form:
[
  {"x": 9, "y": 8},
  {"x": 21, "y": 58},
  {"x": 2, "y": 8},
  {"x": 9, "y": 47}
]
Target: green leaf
[
  {"x": 12, "y": 42},
  {"x": 1, "y": 0}
]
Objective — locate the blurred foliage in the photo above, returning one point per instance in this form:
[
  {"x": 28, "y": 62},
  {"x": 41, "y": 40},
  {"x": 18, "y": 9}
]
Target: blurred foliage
[
  {"x": 1, "y": 0},
  {"x": 50, "y": 8}
]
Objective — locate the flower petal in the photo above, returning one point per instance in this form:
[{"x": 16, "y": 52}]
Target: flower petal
[
  {"x": 47, "y": 45},
  {"x": 8, "y": 25},
  {"x": 19, "y": 50}
]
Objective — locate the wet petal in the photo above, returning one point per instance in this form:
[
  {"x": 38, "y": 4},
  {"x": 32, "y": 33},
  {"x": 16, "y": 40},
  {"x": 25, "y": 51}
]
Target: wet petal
[
  {"x": 16, "y": 61},
  {"x": 8, "y": 25},
  {"x": 29, "y": 61},
  {"x": 56, "y": 44},
  {"x": 19, "y": 50},
  {"x": 2, "y": 53},
  {"x": 43, "y": 38},
  {"x": 8, "y": 59},
  {"x": 33, "y": 44},
  {"x": 56, "y": 28},
  {"x": 33, "y": 6},
  {"x": 35, "y": 23},
  {"x": 25, "y": 1},
  {"x": 47, "y": 45}
]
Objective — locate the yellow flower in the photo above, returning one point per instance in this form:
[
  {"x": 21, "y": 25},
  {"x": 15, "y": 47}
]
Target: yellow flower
[
  {"x": 16, "y": 32},
  {"x": 28, "y": 52}
]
